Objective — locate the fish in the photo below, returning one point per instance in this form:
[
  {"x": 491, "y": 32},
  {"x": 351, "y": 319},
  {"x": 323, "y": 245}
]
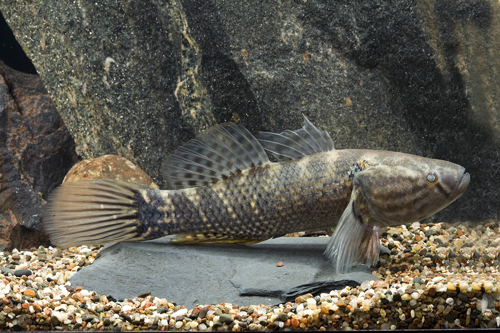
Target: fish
[{"x": 229, "y": 186}]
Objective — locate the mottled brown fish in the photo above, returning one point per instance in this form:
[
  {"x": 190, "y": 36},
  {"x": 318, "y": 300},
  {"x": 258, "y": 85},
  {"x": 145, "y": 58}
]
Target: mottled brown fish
[{"x": 224, "y": 188}]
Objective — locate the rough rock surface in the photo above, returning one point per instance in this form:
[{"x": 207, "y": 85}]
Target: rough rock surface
[
  {"x": 110, "y": 167},
  {"x": 207, "y": 274},
  {"x": 138, "y": 78},
  {"x": 36, "y": 150}
]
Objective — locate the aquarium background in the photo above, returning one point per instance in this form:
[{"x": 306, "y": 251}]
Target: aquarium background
[{"x": 139, "y": 78}]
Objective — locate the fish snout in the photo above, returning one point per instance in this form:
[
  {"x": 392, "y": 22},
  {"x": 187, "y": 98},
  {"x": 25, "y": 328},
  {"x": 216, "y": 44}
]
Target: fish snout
[
  {"x": 463, "y": 184},
  {"x": 458, "y": 182}
]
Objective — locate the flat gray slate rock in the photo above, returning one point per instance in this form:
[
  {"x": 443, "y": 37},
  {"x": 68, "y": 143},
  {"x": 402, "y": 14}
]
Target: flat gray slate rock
[{"x": 209, "y": 274}]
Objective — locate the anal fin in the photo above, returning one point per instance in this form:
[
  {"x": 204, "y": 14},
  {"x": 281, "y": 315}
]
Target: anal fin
[{"x": 212, "y": 238}]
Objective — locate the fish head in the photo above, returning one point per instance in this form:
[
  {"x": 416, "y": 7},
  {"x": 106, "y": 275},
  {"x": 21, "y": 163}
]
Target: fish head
[{"x": 407, "y": 188}]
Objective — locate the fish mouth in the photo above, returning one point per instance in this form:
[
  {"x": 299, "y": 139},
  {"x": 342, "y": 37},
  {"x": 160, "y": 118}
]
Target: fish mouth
[{"x": 462, "y": 185}]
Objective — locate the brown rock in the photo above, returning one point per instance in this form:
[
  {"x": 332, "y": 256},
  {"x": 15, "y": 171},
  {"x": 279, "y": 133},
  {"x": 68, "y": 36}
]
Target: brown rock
[
  {"x": 303, "y": 298},
  {"x": 108, "y": 167},
  {"x": 36, "y": 150},
  {"x": 78, "y": 297},
  {"x": 29, "y": 293}
]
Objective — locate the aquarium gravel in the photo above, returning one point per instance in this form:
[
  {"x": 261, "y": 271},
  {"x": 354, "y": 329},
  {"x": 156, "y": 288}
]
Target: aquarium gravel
[{"x": 437, "y": 276}]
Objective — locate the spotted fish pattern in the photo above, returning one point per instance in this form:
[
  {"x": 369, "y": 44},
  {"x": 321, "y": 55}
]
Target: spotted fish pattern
[{"x": 224, "y": 188}]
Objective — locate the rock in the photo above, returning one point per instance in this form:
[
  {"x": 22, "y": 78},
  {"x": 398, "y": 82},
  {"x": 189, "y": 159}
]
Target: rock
[
  {"x": 225, "y": 319},
  {"x": 417, "y": 280},
  {"x": 282, "y": 316},
  {"x": 36, "y": 150},
  {"x": 430, "y": 232},
  {"x": 54, "y": 321},
  {"x": 110, "y": 167},
  {"x": 21, "y": 272},
  {"x": 462, "y": 297},
  {"x": 29, "y": 293},
  {"x": 394, "y": 75},
  {"x": 168, "y": 272},
  {"x": 203, "y": 313},
  {"x": 6, "y": 271}
]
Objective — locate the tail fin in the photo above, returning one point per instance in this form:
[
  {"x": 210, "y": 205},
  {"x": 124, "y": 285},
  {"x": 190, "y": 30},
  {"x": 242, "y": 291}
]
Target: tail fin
[{"x": 93, "y": 212}]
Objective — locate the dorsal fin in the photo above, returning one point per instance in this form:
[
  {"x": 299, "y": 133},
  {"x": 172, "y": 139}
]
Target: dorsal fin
[
  {"x": 291, "y": 145},
  {"x": 215, "y": 154}
]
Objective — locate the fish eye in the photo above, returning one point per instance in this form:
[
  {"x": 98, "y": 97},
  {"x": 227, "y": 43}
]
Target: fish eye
[{"x": 431, "y": 177}]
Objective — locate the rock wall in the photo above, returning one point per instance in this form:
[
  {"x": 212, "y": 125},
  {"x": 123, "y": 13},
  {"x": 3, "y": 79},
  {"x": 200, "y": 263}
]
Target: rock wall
[
  {"x": 138, "y": 78},
  {"x": 36, "y": 151}
]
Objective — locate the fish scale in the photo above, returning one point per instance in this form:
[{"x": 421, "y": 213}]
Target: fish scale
[{"x": 225, "y": 189}]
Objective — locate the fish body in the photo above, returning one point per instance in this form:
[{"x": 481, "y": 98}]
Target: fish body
[{"x": 225, "y": 189}]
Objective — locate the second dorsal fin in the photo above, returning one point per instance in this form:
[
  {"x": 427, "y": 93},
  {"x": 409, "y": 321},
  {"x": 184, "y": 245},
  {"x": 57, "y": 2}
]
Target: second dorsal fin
[
  {"x": 215, "y": 154},
  {"x": 292, "y": 145}
]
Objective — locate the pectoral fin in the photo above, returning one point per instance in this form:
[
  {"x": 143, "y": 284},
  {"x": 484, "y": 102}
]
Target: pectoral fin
[
  {"x": 343, "y": 248},
  {"x": 370, "y": 247}
]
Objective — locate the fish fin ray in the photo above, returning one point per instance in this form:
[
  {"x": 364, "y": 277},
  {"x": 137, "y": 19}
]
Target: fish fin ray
[
  {"x": 92, "y": 212},
  {"x": 191, "y": 238},
  {"x": 218, "y": 153},
  {"x": 370, "y": 247},
  {"x": 343, "y": 247},
  {"x": 290, "y": 145}
]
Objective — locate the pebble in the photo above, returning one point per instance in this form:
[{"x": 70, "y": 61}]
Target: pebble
[
  {"x": 454, "y": 285},
  {"x": 21, "y": 272},
  {"x": 29, "y": 293},
  {"x": 225, "y": 319}
]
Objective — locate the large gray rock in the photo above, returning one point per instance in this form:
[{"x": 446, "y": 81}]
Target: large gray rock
[
  {"x": 208, "y": 274},
  {"x": 138, "y": 78}
]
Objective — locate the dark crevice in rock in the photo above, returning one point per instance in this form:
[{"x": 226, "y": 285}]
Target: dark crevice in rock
[{"x": 229, "y": 89}]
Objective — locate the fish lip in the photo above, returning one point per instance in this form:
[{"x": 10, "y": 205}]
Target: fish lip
[{"x": 462, "y": 185}]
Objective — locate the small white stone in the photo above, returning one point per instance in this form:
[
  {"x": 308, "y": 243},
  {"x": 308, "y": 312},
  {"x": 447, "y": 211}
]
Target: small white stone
[
  {"x": 307, "y": 312},
  {"x": 366, "y": 285},
  {"x": 311, "y": 303},
  {"x": 261, "y": 310},
  {"x": 449, "y": 301},
  {"x": 126, "y": 308},
  {"x": 178, "y": 324},
  {"x": 181, "y": 312}
]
